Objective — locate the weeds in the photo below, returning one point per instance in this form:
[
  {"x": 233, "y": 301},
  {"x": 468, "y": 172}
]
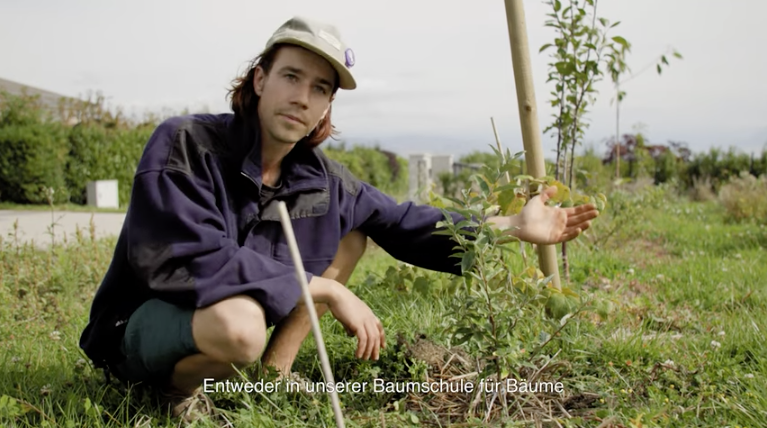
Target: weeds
[
  {"x": 679, "y": 342},
  {"x": 743, "y": 199},
  {"x": 702, "y": 190}
]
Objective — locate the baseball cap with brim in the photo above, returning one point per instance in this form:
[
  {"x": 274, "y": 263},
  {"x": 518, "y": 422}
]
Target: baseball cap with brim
[{"x": 322, "y": 39}]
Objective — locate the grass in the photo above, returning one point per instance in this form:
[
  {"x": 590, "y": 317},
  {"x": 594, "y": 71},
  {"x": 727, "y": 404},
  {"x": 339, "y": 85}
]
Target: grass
[
  {"x": 58, "y": 207},
  {"x": 683, "y": 343}
]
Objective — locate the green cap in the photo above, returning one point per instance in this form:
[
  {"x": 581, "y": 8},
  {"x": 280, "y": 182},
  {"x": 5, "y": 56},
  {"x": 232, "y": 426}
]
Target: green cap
[{"x": 322, "y": 39}]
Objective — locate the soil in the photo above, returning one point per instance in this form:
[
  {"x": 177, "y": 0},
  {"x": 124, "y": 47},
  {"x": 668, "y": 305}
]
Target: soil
[{"x": 448, "y": 365}]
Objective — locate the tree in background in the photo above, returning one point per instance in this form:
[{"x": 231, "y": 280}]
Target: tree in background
[
  {"x": 615, "y": 73},
  {"x": 582, "y": 53}
]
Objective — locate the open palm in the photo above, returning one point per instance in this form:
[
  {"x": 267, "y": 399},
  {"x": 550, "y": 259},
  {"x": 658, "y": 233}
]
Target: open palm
[{"x": 544, "y": 225}]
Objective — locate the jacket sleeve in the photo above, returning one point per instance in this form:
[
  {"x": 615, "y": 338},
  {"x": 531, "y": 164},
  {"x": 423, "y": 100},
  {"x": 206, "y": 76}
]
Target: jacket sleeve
[
  {"x": 406, "y": 230},
  {"x": 178, "y": 244}
]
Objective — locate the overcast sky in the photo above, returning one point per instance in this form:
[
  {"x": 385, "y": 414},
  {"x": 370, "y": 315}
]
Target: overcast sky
[{"x": 431, "y": 73}]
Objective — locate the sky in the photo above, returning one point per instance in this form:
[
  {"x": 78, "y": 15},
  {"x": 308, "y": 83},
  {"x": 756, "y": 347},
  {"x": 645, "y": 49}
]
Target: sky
[{"x": 430, "y": 73}]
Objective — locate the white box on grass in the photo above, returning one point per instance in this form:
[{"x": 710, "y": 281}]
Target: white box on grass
[{"x": 103, "y": 194}]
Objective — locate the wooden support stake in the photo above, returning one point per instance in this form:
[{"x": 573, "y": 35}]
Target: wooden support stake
[
  {"x": 528, "y": 116},
  {"x": 287, "y": 227}
]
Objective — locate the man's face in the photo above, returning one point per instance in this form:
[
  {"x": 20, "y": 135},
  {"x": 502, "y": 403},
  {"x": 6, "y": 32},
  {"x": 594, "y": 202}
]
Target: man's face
[{"x": 295, "y": 95}]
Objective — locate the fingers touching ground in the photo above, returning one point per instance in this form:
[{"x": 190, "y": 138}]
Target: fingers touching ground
[
  {"x": 371, "y": 339},
  {"x": 358, "y": 320}
]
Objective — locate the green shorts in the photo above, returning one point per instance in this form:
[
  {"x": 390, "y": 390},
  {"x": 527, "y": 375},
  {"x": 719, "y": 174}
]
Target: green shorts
[{"x": 158, "y": 335}]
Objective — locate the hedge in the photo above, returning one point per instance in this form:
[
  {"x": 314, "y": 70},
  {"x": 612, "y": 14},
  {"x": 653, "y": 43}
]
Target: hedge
[{"x": 39, "y": 151}]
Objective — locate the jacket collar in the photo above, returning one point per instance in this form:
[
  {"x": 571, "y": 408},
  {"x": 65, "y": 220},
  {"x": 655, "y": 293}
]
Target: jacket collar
[{"x": 302, "y": 168}]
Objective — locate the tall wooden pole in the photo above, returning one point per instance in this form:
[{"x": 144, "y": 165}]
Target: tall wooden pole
[
  {"x": 287, "y": 227},
  {"x": 528, "y": 116}
]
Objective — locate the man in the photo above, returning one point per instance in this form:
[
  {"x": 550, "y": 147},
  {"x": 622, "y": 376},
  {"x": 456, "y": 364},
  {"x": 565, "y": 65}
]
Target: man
[{"x": 202, "y": 269}]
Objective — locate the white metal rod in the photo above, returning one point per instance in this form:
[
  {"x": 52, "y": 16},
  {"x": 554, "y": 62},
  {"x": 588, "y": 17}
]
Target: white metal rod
[{"x": 309, "y": 302}]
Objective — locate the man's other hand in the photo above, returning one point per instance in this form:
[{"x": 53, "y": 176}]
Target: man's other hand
[{"x": 359, "y": 320}]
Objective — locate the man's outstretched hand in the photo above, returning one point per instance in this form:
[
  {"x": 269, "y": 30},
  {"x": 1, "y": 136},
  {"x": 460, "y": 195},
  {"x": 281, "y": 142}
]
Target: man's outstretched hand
[{"x": 544, "y": 225}]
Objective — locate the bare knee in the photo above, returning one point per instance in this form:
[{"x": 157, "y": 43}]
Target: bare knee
[{"x": 231, "y": 331}]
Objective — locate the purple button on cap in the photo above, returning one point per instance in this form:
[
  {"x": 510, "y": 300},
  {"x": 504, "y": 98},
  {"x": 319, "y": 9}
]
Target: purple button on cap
[{"x": 349, "y": 58}]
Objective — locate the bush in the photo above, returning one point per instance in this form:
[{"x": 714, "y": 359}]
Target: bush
[
  {"x": 87, "y": 145},
  {"x": 40, "y": 151},
  {"x": 702, "y": 190},
  {"x": 124, "y": 155},
  {"x": 33, "y": 152},
  {"x": 745, "y": 199},
  {"x": 719, "y": 166},
  {"x": 98, "y": 153},
  {"x": 592, "y": 175},
  {"x": 32, "y": 159},
  {"x": 380, "y": 168}
]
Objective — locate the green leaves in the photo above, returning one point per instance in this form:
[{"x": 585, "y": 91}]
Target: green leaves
[
  {"x": 584, "y": 54},
  {"x": 498, "y": 312},
  {"x": 483, "y": 184},
  {"x": 10, "y": 408},
  {"x": 467, "y": 261},
  {"x": 620, "y": 40},
  {"x": 664, "y": 61},
  {"x": 421, "y": 285}
]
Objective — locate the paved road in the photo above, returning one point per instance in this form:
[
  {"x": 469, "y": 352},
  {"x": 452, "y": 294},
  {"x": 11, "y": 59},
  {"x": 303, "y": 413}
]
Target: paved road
[{"x": 35, "y": 226}]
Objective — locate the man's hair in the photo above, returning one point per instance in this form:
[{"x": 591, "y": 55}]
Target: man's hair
[{"x": 244, "y": 100}]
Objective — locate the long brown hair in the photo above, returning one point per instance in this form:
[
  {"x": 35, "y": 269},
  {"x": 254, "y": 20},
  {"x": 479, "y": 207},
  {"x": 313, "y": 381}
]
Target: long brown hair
[{"x": 244, "y": 100}]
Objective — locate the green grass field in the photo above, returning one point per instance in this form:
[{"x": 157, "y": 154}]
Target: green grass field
[
  {"x": 60, "y": 207},
  {"x": 683, "y": 343}
]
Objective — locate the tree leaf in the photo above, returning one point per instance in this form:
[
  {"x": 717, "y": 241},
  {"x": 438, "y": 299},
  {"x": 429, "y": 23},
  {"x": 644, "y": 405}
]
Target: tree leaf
[
  {"x": 564, "y": 319},
  {"x": 421, "y": 285},
  {"x": 567, "y": 291},
  {"x": 467, "y": 261},
  {"x": 515, "y": 206},
  {"x": 621, "y": 41}
]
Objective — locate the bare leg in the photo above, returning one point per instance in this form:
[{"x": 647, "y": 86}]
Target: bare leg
[
  {"x": 191, "y": 372},
  {"x": 287, "y": 336},
  {"x": 231, "y": 332}
]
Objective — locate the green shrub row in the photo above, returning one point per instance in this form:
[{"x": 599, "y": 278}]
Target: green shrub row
[
  {"x": 45, "y": 159},
  {"x": 384, "y": 170}
]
